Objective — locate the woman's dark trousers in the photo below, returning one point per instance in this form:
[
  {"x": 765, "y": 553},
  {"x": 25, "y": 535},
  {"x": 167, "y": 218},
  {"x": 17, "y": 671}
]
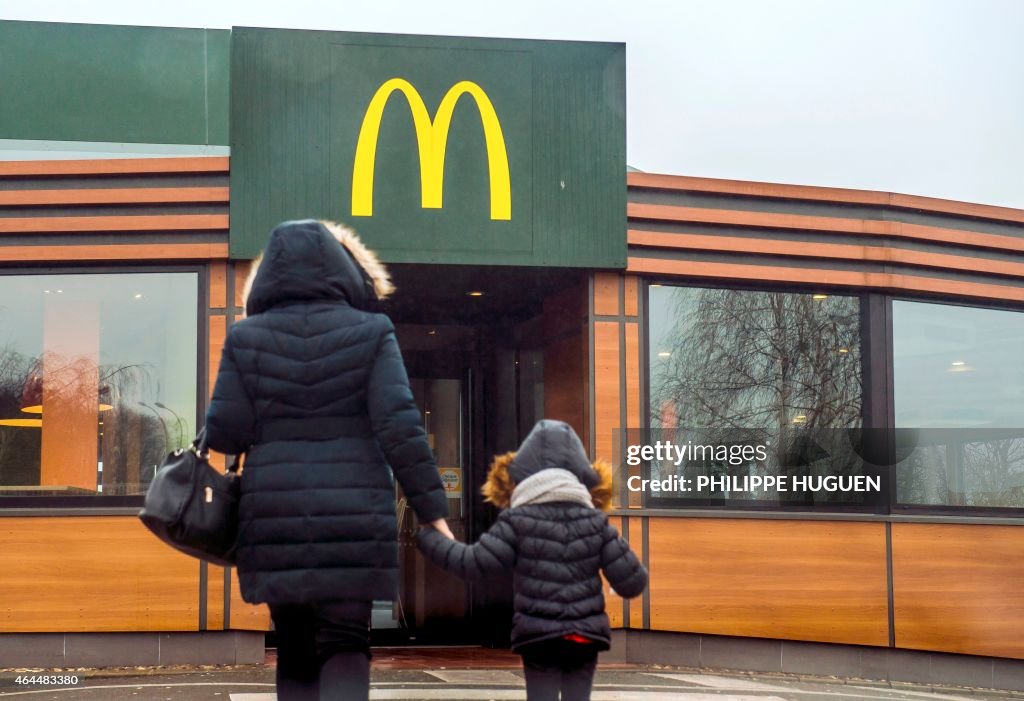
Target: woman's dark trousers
[
  {"x": 323, "y": 651},
  {"x": 557, "y": 666}
]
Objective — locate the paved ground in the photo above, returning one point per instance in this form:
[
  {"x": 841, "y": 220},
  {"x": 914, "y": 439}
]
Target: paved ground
[{"x": 616, "y": 684}]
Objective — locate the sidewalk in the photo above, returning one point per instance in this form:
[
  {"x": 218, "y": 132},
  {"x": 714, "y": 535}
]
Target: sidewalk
[{"x": 471, "y": 674}]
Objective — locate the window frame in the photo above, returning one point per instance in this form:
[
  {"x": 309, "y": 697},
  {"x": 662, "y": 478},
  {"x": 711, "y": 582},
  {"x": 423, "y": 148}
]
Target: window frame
[
  {"x": 102, "y": 501},
  {"x": 648, "y": 501},
  {"x": 878, "y": 403},
  {"x": 898, "y": 507}
]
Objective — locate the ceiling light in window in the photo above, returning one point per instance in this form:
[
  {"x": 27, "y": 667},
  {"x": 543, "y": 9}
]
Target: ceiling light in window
[
  {"x": 475, "y": 293},
  {"x": 844, "y": 350},
  {"x": 664, "y": 354},
  {"x": 22, "y": 423},
  {"x": 819, "y": 297},
  {"x": 138, "y": 295},
  {"x": 799, "y": 419},
  {"x": 432, "y": 332}
]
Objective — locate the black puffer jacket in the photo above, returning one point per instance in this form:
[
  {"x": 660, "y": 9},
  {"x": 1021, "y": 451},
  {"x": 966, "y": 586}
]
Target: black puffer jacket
[
  {"x": 556, "y": 550},
  {"x": 315, "y": 389}
]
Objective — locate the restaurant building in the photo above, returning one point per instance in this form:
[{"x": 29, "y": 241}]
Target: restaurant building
[{"x": 862, "y": 334}]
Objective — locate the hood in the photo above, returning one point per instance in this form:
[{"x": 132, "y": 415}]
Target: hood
[
  {"x": 304, "y": 261},
  {"x": 552, "y": 444},
  {"x": 499, "y": 487}
]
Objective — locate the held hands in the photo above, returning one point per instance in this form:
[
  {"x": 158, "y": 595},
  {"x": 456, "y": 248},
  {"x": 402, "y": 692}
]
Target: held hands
[{"x": 442, "y": 526}]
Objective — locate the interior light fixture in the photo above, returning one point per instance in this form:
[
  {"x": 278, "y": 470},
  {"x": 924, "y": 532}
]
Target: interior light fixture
[
  {"x": 138, "y": 295},
  {"x": 432, "y": 332},
  {"x": 654, "y": 285},
  {"x": 664, "y": 354},
  {"x": 844, "y": 350},
  {"x": 819, "y": 297},
  {"x": 22, "y": 423},
  {"x": 800, "y": 418},
  {"x": 475, "y": 293}
]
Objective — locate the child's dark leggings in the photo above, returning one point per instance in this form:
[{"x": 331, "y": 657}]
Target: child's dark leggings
[
  {"x": 323, "y": 651},
  {"x": 554, "y": 666}
]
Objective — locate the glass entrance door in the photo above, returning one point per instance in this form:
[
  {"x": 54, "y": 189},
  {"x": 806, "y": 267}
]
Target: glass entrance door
[{"x": 434, "y": 606}]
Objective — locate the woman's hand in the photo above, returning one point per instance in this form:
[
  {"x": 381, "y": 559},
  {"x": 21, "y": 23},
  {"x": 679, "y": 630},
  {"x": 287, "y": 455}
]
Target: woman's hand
[{"x": 442, "y": 525}]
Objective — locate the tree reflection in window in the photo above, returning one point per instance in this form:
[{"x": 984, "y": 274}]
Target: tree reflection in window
[{"x": 778, "y": 367}]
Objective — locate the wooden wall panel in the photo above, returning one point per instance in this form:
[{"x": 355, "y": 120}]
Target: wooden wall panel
[
  {"x": 565, "y": 394},
  {"x": 242, "y": 268},
  {"x": 162, "y": 252},
  {"x": 214, "y": 598},
  {"x": 218, "y": 285},
  {"x": 632, "y": 295},
  {"x": 684, "y": 183},
  {"x": 95, "y": 574},
  {"x": 803, "y": 222},
  {"x": 819, "y": 276},
  {"x": 636, "y": 604},
  {"x": 218, "y": 333},
  {"x": 959, "y": 588},
  {"x": 101, "y": 196},
  {"x": 612, "y": 601},
  {"x": 71, "y": 225},
  {"x": 794, "y": 580},
  {"x": 633, "y": 408},
  {"x": 115, "y": 166},
  {"x": 606, "y": 293},
  {"x": 245, "y": 616},
  {"x": 827, "y": 251},
  {"x": 606, "y": 388}
]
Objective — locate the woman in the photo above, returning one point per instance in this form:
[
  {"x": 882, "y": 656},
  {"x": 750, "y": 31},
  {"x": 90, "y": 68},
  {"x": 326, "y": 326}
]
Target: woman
[{"x": 311, "y": 384}]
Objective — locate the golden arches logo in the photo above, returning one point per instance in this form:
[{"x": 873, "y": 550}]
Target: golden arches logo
[{"x": 432, "y": 138}]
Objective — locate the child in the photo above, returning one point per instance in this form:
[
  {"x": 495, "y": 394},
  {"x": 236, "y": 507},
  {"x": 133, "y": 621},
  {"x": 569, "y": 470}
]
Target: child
[{"x": 556, "y": 539}]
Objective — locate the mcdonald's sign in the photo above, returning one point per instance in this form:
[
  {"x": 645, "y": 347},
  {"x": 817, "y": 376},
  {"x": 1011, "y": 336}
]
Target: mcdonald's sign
[
  {"x": 432, "y": 138},
  {"x": 437, "y": 149}
]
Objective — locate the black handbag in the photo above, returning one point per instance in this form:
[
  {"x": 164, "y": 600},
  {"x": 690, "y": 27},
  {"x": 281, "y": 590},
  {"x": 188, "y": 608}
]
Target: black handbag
[{"x": 192, "y": 507}]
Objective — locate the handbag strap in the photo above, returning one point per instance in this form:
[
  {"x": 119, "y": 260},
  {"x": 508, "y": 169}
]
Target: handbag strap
[{"x": 201, "y": 448}]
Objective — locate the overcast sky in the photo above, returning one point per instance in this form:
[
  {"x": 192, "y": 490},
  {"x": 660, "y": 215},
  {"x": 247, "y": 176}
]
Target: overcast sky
[{"x": 916, "y": 96}]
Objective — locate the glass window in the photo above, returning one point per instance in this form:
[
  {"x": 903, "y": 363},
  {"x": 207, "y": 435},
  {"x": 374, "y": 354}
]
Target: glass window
[
  {"x": 959, "y": 378},
  {"x": 97, "y": 380},
  {"x": 775, "y": 369}
]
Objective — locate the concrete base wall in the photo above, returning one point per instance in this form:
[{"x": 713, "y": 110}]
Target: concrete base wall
[
  {"x": 47, "y": 650},
  {"x": 793, "y": 657}
]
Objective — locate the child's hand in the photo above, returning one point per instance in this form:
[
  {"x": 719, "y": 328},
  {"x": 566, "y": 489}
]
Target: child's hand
[{"x": 442, "y": 525}]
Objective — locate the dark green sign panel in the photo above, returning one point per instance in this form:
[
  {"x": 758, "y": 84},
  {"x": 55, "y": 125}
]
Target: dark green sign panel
[
  {"x": 435, "y": 149},
  {"x": 92, "y": 82}
]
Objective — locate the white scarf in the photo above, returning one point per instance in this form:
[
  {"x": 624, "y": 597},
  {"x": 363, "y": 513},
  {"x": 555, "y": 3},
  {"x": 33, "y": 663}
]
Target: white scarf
[{"x": 553, "y": 484}]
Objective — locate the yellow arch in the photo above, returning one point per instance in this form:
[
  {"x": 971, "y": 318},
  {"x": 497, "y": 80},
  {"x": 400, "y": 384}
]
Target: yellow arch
[{"x": 432, "y": 140}]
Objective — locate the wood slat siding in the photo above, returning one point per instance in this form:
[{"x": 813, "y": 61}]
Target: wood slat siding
[
  {"x": 96, "y": 196},
  {"x": 826, "y": 278},
  {"x": 171, "y": 222},
  {"x": 128, "y": 209},
  {"x": 957, "y": 588},
  {"x": 959, "y": 256},
  {"x": 682, "y": 183},
  {"x": 93, "y": 574},
  {"x": 790, "y": 580},
  {"x": 115, "y": 166}
]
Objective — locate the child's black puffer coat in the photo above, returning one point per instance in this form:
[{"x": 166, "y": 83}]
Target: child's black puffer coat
[{"x": 555, "y": 549}]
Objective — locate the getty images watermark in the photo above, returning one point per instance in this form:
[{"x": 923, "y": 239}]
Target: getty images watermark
[{"x": 746, "y": 463}]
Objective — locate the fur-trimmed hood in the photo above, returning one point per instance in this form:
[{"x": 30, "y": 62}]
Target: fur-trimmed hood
[
  {"x": 499, "y": 486},
  {"x": 356, "y": 273}
]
